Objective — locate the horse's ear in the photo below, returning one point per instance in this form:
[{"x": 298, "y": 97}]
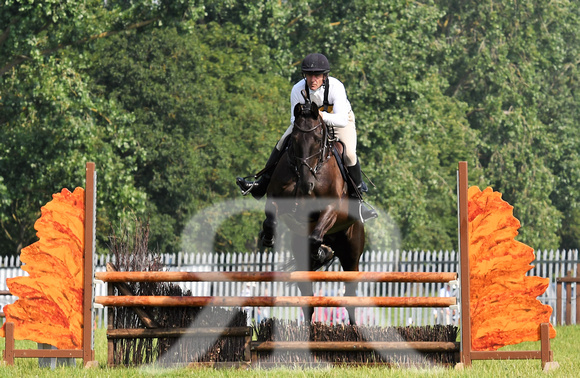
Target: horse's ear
[
  {"x": 314, "y": 110},
  {"x": 297, "y": 110}
]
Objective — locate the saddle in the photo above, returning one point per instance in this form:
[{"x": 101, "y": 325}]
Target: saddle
[
  {"x": 340, "y": 161},
  {"x": 352, "y": 189}
]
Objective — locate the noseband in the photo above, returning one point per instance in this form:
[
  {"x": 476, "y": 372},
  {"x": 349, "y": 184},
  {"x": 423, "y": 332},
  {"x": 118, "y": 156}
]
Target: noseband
[{"x": 324, "y": 152}]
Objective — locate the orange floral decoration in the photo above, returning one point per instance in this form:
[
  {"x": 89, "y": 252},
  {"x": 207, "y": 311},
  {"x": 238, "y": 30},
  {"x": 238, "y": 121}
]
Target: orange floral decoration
[
  {"x": 504, "y": 308},
  {"x": 50, "y": 305}
]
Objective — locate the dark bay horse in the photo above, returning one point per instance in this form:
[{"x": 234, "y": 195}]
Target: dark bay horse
[{"x": 309, "y": 194}]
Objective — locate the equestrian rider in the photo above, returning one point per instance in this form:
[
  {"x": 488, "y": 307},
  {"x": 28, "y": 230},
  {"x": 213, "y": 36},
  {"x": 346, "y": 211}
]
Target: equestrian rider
[{"x": 336, "y": 112}]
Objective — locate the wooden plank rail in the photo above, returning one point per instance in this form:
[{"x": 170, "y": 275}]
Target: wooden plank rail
[
  {"x": 355, "y": 346},
  {"x": 138, "y": 333},
  {"x": 173, "y": 301},
  {"x": 420, "y": 277}
]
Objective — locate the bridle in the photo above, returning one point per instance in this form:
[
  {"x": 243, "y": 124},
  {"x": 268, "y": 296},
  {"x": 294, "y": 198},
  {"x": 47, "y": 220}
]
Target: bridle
[{"x": 324, "y": 152}]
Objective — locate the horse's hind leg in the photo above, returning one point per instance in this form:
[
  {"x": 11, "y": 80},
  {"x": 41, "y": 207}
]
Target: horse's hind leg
[{"x": 306, "y": 291}]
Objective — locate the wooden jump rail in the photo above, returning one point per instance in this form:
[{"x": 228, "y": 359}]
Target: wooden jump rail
[
  {"x": 275, "y": 277},
  {"x": 356, "y": 346},
  {"x": 168, "y": 301},
  {"x": 144, "y": 333}
]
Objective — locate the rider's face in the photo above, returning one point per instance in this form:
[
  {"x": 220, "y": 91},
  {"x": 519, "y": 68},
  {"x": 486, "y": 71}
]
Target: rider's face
[{"x": 314, "y": 80}]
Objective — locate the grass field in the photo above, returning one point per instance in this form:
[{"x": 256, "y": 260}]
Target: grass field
[{"x": 565, "y": 346}]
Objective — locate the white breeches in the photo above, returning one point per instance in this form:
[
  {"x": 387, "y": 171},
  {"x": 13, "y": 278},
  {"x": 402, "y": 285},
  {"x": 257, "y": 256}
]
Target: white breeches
[{"x": 346, "y": 135}]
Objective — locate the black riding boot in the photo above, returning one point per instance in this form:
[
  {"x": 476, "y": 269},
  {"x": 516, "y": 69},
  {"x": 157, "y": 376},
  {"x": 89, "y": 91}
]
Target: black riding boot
[
  {"x": 364, "y": 211},
  {"x": 258, "y": 187}
]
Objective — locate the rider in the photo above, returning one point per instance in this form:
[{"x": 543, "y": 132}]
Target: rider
[{"x": 336, "y": 112}]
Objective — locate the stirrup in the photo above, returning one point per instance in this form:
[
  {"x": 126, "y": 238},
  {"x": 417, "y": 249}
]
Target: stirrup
[
  {"x": 242, "y": 181},
  {"x": 369, "y": 212},
  {"x": 267, "y": 242}
]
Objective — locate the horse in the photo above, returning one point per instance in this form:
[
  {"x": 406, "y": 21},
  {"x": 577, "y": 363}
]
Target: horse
[{"x": 310, "y": 194}]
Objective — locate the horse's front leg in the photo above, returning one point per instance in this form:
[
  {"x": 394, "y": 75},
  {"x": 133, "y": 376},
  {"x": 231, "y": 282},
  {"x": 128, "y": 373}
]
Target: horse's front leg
[
  {"x": 266, "y": 237},
  {"x": 349, "y": 246},
  {"x": 306, "y": 291},
  {"x": 303, "y": 263},
  {"x": 350, "y": 291},
  {"x": 326, "y": 220}
]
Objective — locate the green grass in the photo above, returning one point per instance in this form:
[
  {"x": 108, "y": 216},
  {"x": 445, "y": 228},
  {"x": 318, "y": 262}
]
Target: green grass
[{"x": 565, "y": 347}]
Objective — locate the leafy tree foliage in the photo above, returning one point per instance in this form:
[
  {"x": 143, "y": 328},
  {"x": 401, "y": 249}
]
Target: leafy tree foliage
[
  {"x": 52, "y": 126},
  {"x": 193, "y": 105},
  {"x": 173, "y": 99},
  {"x": 51, "y": 123},
  {"x": 515, "y": 65}
]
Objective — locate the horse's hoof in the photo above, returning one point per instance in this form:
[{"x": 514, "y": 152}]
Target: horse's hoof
[
  {"x": 318, "y": 256},
  {"x": 324, "y": 257},
  {"x": 328, "y": 253},
  {"x": 267, "y": 241}
]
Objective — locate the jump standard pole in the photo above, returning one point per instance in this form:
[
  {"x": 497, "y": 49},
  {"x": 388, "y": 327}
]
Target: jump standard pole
[
  {"x": 89, "y": 267},
  {"x": 463, "y": 224}
]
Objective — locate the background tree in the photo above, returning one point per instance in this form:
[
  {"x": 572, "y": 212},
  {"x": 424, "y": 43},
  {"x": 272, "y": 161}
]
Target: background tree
[
  {"x": 52, "y": 126},
  {"x": 50, "y": 122},
  {"x": 206, "y": 106},
  {"x": 515, "y": 65},
  {"x": 174, "y": 99}
]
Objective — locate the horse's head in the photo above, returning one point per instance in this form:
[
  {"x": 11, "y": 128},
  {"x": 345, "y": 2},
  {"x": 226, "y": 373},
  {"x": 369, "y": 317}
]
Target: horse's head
[{"x": 308, "y": 145}]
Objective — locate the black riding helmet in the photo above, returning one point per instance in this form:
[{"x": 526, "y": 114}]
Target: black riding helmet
[{"x": 315, "y": 63}]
